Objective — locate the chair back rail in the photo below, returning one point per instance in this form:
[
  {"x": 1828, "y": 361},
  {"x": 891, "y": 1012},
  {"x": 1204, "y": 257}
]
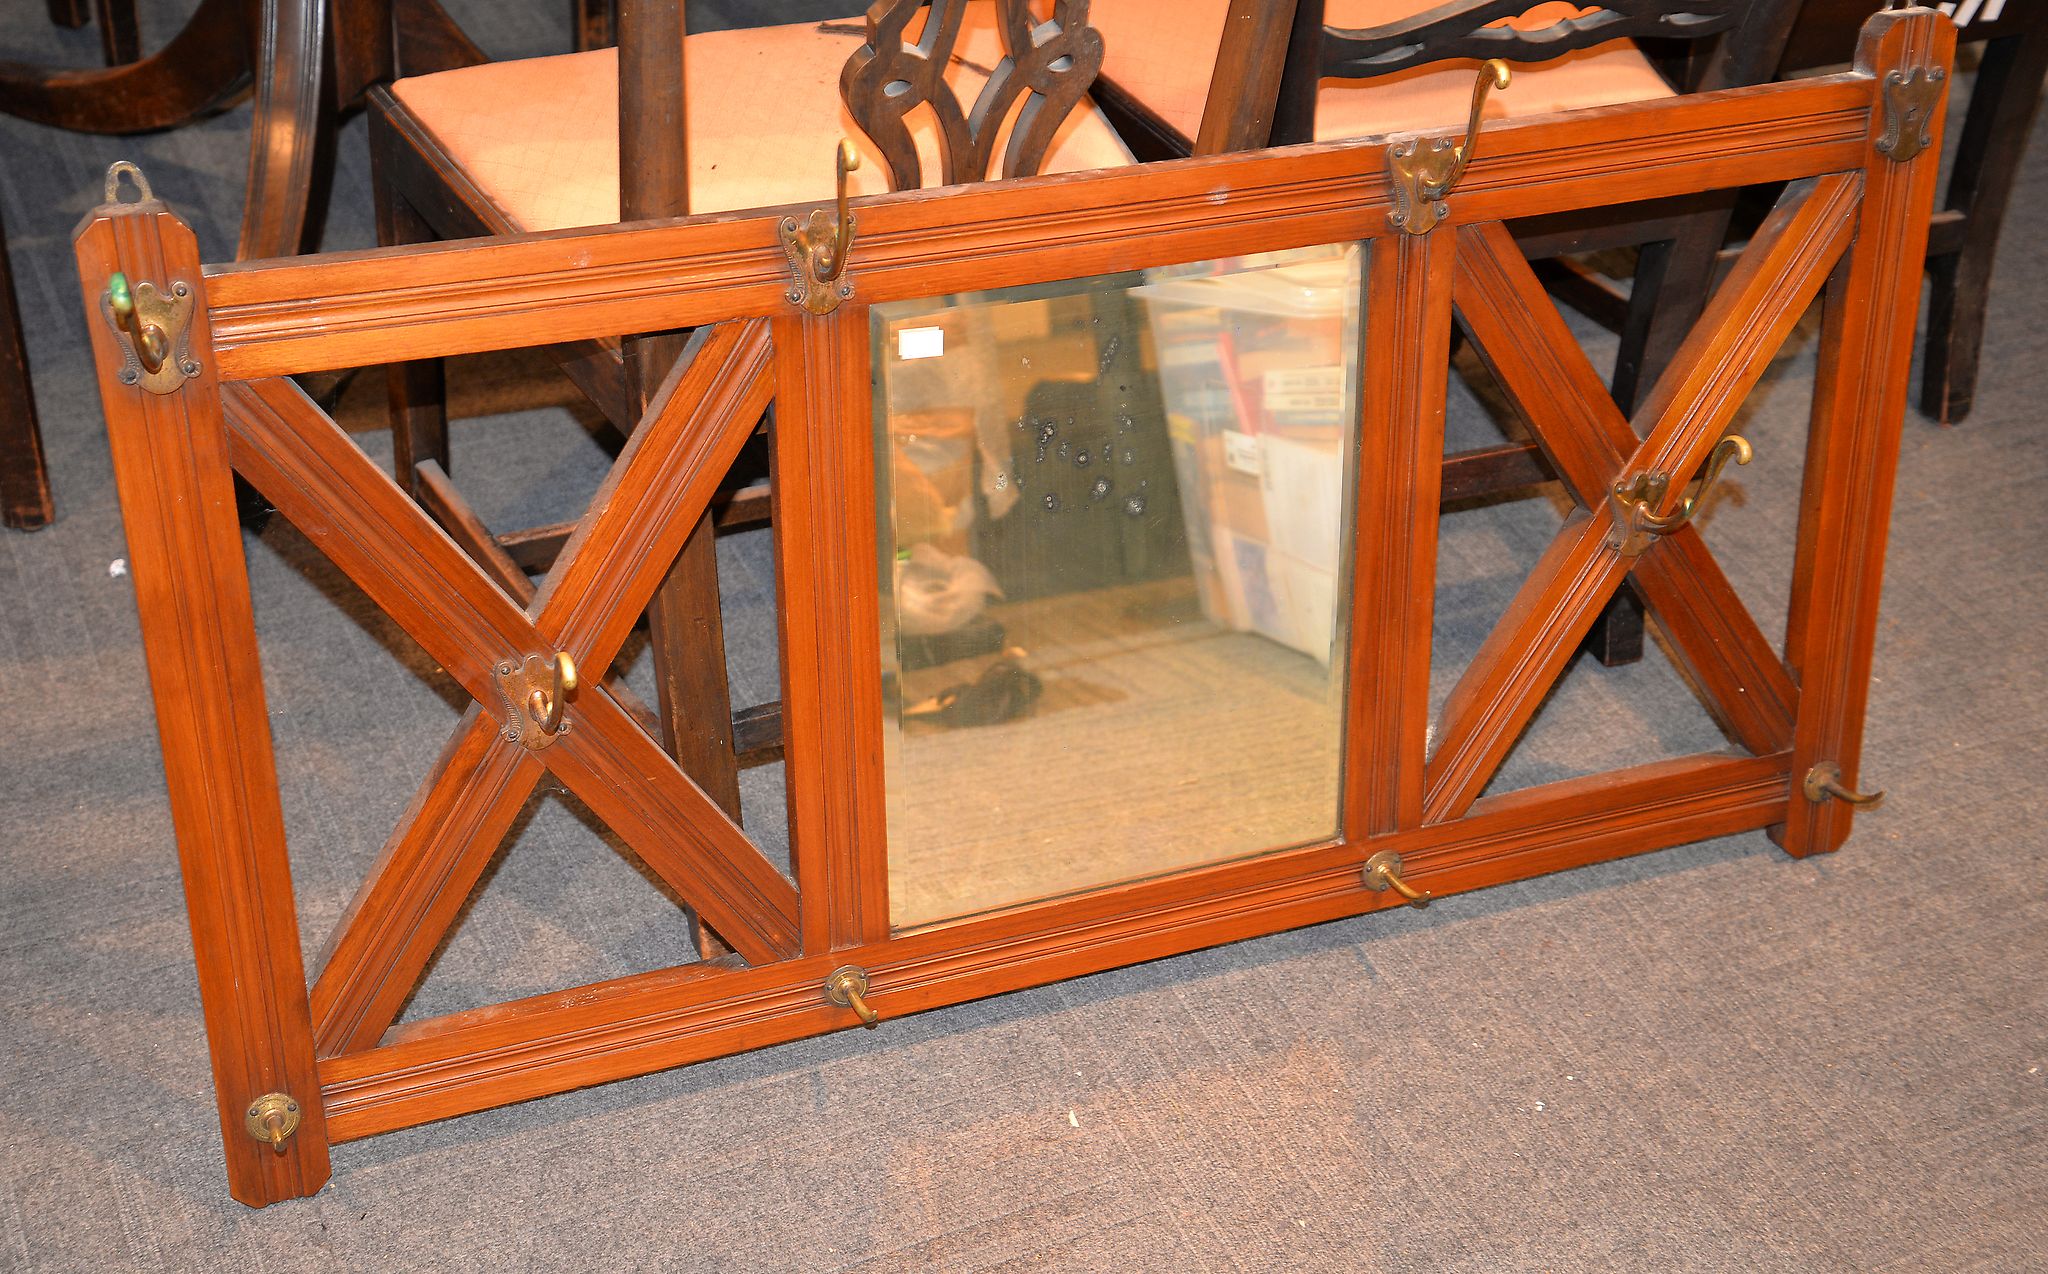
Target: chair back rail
[{"x": 1746, "y": 37}]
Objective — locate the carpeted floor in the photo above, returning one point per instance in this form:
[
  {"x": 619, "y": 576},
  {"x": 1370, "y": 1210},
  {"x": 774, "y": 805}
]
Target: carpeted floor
[{"x": 1711, "y": 1058}]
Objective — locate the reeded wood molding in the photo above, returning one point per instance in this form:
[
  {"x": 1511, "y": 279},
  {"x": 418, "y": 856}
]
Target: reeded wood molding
[
  {"x": 1537, "y": 362},
  {"x": 440, "y": 498},
  {"x": 648, "y": 1023},
  {"x": 1686, "y": 412},
  {"x": 1406, "y": 368},
  {"x": 825, "y": 555},
  {"x": 205, "y": 677},
  {"x": 361, "y": 520},
  {"x": 1519, "y": 661},
  {"x": 409, "y": 900},
  {"x": 1853, "y": 443},
  {"x": 672, "y": 466},
  {"x": 355, "y": 309}
]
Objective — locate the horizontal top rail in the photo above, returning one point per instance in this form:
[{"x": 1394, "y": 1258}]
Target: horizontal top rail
[{"x": 280, "y": 317}]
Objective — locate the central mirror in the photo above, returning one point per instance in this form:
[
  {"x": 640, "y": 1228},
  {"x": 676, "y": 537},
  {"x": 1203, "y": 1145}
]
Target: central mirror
[{"x": 1114, "y": 519}]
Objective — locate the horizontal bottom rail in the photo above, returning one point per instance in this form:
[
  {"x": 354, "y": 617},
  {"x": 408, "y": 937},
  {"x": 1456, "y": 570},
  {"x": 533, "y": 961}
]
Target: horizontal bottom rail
[{"x": 650, "y": 1022}]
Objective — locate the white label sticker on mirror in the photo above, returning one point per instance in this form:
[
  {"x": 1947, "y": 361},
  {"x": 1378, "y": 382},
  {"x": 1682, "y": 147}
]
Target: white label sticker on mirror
[{"x": 920, "y": 342}]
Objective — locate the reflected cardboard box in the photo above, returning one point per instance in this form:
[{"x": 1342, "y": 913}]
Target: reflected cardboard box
[{"x": 1255, "y": 371}]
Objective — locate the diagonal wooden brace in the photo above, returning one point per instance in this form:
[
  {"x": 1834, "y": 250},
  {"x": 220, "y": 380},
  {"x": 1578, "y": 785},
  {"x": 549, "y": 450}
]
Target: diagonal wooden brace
[
  {"x": 323, "y": 483},
  {"x": 1776, "y": 278}
]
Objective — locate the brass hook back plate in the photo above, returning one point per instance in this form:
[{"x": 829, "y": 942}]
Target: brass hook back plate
[
  {"x": 847, "y": 986},
  {"x": 155, "y": 331},
  {"x": 272, "y": 1119},
  {"x": 1637, "y": 527},
  {"x": 1423, "y": 172},
  {"x": 818, "y": 246},
  {"x": 535, "y": 691},
  {"x": 1909, "y": 101}
]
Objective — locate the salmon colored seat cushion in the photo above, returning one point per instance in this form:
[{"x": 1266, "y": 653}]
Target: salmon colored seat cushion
[
  {"x": 540, "y": 136},
  {"x": 1162, "y": 52}
]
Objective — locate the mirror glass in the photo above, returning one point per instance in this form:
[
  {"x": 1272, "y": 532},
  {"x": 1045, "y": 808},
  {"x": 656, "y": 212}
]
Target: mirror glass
[{"x": 1114, "y": 519}]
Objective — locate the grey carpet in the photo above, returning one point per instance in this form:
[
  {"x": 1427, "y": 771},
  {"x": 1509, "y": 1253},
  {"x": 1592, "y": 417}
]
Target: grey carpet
[{"x": 1709, "y": 1058}]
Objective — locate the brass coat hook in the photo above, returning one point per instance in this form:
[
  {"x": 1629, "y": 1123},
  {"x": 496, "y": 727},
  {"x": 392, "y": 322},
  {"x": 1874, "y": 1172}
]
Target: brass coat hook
[
  {"x": 272, "y": 1119},
  {"x": 1383, "y": 872},
  {"x": 818, "y": 247},
  {"x": 154, "y": 326},
  {"x": 151, "y": 345},
  {"x": 847, "y": 986},
  {"x": 536, "y": 691},
  {"x": 1636, "y": 527},
  {"x": 1423, "y": 175},
  {"x": 1824, "y": 782}
]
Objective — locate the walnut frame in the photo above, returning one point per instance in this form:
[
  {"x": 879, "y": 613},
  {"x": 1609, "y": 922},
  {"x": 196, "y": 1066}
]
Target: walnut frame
[{"x": 1855, "y": 225}]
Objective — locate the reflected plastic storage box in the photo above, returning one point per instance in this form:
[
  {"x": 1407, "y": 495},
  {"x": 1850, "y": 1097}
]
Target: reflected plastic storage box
[{"x": 1253, "y": 371}]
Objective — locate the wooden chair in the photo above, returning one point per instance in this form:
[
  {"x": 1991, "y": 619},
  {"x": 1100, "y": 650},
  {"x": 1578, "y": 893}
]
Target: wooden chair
[
  {"x": 120, "y": 38},
  {"x": 25, "y": 502},
  {"x": 604, "y": 135},
  {"x": 308, "y": 62},
  {"x": 1390, "y": 66},
  {"x": 1962, "y": 243},
  {"x": 24, "y": 483}
]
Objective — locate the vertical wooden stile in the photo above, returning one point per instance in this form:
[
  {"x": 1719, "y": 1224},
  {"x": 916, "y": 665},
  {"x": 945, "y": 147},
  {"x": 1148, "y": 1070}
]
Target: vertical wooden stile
[
  {"x": 827, "y": 581},
  {"x": 1853, "y": 447},
  {"x": 1393, "y": 590},
  {"x": 199, "y": 638}
]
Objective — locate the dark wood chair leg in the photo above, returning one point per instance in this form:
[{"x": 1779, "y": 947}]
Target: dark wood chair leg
[
  {"x": 687, "y": 630},
  {"x": 70, "y": 13},
  {"x": 686, "y": 639},
  {"x": 2002, "y": 109},
  {"x": 203, "y": 64},
  {"x": 418, "y": 390},
  {"x": 596, "y": 23},
  {"x": 120, "y": 37},
  {"x": 24, "y": 482},
  {"x": 1673, "y": 278},
  {"x": 1672, "y": 282},
  {"x": 291, "y": 134},
  {"x": 1616, "y": 637}
]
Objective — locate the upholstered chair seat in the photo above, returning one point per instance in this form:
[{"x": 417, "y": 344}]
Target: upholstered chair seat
[{"x": 540, "y": 136}]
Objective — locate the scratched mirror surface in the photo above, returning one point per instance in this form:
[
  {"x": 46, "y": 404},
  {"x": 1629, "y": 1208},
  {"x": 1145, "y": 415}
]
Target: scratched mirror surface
[{"x": 1113, "y": 527}]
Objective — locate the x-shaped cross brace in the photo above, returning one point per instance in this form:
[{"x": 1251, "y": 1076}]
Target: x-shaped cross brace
[
  {"x": 1532, "y": 353},
  {"x": 586, "y": 605}
]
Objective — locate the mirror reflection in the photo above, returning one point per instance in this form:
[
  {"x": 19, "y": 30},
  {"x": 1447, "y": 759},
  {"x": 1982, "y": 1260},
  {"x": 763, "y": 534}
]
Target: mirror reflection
[{"x": 1113, "y": 515}]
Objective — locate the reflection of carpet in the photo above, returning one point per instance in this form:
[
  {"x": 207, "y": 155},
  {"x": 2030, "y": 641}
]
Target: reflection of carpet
[{"x": 1161, "y": 741}]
